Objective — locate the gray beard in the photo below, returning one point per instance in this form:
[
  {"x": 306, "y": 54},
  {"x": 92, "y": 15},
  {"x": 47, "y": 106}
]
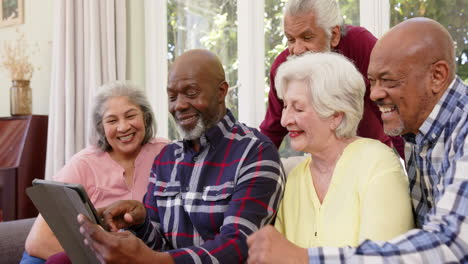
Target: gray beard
[
  {"x": 395, "y": 131},
  {"x": 194, "y": 133}
]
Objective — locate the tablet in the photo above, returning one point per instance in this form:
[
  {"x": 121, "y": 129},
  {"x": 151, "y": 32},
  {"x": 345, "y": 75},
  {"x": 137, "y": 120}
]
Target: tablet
[{"x": 59, "y": 203}]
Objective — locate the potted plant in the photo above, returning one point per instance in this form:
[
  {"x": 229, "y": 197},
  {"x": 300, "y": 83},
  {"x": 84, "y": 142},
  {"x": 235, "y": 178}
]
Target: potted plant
[{"x": 16, "y": 61}]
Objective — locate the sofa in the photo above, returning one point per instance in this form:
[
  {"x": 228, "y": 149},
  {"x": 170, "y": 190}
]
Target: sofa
[{"x": 12, "y": 237}]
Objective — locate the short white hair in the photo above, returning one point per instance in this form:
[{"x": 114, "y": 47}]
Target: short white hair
[
  {"x": 327, "y": 12},
  {"x": 334, "y": 86}
]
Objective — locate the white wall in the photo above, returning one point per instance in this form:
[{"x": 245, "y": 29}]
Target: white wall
[{"x": 37, "y": 28}]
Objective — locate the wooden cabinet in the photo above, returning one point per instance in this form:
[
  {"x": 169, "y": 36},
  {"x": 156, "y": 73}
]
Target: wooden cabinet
[{"x": 23, "y": 144}]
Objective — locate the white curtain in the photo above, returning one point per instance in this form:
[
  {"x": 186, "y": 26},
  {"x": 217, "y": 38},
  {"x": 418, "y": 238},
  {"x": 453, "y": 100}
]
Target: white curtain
[
  {"x": 89, "y": 49},
  {"x": 156, "y": 61}
]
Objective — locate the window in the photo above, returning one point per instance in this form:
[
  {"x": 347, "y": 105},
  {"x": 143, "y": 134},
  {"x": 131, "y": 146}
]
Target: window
[
  {"x": 247, "y": 46},
  {"x": 209, "y": 25},
  {"x": 350, "y": 11},
  {"x": 450, "y": 13},
  {"x": 275, "y": 42}
]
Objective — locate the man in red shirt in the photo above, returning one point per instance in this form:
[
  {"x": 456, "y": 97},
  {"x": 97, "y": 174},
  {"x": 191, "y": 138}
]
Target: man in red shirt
[{"x": 317, "y": 26}]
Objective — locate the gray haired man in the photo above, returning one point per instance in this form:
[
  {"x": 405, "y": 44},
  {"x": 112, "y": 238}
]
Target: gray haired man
[{"x": 317, "y": 26}]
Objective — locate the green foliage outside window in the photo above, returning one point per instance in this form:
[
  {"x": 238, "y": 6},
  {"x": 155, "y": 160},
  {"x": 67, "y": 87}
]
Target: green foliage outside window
[
  {"x": 450, "y": 13},
  {"x": 209, "y": 25}
]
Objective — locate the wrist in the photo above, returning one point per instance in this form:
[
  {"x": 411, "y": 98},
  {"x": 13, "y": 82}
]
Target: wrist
[
  {"x": 147, "y": 255},
  {"x": 163, "y": 257}
]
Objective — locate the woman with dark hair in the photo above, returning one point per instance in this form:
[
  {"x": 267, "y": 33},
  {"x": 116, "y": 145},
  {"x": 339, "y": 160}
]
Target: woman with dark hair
[{"x": 115, "y": 166}]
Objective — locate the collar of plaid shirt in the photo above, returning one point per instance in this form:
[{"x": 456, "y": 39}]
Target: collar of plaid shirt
[
  {"x": 429, "y": 156},
  {"x": 212, "y": 136}
]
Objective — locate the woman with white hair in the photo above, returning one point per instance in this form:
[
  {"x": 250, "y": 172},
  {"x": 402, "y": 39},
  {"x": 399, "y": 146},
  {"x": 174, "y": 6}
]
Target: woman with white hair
[
  {"x": 116, "y": 166},
  {"x": 349, "y": 188}
]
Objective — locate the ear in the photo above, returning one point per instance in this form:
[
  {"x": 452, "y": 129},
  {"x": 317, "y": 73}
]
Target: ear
[
  {"x": 336, "y": 120},
  {"x": 222, "y": 91},
  {"x": 439, "y": 76},
  {"x": 335, "y": 36}
]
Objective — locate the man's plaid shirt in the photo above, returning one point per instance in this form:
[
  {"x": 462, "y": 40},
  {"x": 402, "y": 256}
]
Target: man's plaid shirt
[
  {"x": 201, "y": 206},
  {"x": 438, "y": 175}
]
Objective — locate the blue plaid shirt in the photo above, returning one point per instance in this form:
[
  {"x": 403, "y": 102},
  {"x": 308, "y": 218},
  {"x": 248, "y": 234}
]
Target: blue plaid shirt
[
  {"x": 438, "y": 175},
  {"x": 201, "y": 206}
]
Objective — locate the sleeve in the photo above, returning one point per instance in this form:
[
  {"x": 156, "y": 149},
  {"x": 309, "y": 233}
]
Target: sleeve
[
  {"x": 361, "y": 56},
  {"x": 79, "y": 171},
  {"x": 76, "y": 171},
  {"x": 443, "y": 239},
  {"x": 357, "y": 46},
  {"x": 150, "y": 231},
  {"x": 279, "y": 222},
  {"x": 271, "y": 125},
  {"x": 259, "y": 188},
  {"x": 385, "y": 200}
]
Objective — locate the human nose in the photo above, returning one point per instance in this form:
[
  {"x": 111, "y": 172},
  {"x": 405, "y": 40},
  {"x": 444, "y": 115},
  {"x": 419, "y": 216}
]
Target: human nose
[
  {"x": 285, "y": 117},
  {"x": 377, "y": 92},
  {"x": 123, "y": 125},
  {"x": 179, "y": 104},
  {"x": 298, "y": 48}
]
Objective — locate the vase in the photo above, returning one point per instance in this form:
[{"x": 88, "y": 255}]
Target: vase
[{"x": 20, "y": 98}]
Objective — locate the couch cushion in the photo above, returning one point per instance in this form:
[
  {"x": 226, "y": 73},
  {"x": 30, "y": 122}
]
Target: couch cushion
[{"x": 12, "y": 237}]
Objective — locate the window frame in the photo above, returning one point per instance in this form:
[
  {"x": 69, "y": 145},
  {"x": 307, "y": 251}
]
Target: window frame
[{"x": 374, "y": 15}]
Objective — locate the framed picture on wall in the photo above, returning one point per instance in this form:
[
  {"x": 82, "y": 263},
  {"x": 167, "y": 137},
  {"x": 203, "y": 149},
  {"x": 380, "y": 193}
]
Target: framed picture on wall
[{"x": 11, "y": 12}]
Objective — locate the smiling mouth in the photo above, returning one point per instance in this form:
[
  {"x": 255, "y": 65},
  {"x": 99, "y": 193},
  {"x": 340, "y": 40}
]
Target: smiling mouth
[
  {"x": 126, "y": 138},
  {"x": 187, "y": 120},
  {"x": 294, "y": 133},
  {"x": 387, "y": 109},
  {"x": 389, "y": 112}
]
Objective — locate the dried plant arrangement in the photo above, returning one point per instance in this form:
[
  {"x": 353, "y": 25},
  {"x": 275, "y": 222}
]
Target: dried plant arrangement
[{"x": 15, "y": 58}]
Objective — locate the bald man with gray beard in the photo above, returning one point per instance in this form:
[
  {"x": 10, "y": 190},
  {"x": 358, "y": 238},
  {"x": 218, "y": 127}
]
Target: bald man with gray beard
[{"x": 207, "y": 192}]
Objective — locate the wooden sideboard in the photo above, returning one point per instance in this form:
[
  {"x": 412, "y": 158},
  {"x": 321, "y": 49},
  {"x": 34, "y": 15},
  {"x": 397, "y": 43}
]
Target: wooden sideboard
[{"x": 23, "y": 144}]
